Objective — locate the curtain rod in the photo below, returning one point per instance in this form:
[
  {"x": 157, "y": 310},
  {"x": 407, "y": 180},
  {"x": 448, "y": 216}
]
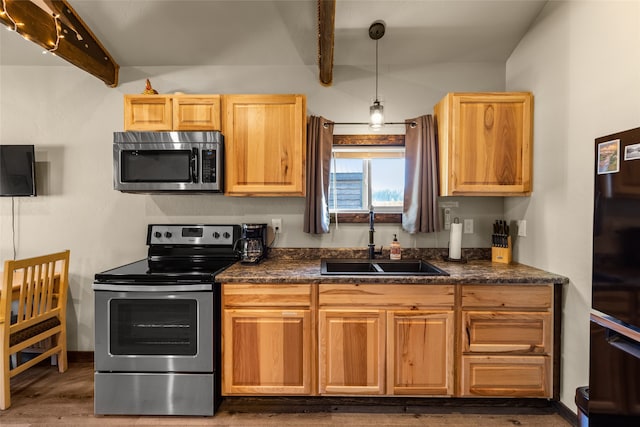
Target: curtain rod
[{"x": 413, "y": 124}]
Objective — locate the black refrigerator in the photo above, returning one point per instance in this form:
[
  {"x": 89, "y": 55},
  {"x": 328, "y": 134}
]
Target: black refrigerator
[{"x": 614, "y": 364}]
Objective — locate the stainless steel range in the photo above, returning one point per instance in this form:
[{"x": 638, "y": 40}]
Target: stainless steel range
[{"x": 157, "y": 324}]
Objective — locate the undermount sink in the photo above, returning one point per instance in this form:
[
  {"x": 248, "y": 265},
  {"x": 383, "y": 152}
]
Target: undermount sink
[{"x": 379, "y": 267}]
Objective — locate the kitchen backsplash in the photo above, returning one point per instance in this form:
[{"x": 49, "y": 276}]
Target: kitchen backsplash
[{"x": 408, "y": 253}]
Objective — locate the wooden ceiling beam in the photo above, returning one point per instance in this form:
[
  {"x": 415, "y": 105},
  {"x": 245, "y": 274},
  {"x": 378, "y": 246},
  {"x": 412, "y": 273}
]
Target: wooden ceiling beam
[
  {"x": 326, "y": 32},
  {"x": 66, "y": 36}
]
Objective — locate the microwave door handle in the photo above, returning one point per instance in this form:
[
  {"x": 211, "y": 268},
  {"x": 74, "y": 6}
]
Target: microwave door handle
[{"x": 194, "y": 165}]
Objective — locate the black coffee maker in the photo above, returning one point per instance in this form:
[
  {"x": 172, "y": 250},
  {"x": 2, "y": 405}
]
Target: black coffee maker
[{"x": 253, "y": 242}]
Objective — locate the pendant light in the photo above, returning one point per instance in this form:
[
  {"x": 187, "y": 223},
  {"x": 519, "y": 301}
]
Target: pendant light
[{"x": 376, "y": 111}]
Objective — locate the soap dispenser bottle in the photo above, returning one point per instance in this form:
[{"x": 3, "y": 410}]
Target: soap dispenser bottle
[{"x": 395, "y": 248}]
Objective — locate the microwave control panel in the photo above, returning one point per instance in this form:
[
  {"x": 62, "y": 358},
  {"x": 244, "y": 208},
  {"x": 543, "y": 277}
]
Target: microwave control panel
[{"x": 209, "y": 165}]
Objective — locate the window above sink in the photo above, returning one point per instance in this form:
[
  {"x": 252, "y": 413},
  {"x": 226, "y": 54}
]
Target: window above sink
[{"x": 359, "y": 178}]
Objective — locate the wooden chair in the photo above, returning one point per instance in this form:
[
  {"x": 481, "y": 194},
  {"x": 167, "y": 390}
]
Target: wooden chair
[{"x": 37, "y": 287}]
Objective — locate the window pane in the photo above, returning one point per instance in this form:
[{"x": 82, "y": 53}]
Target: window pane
[
  {"x": 347, "y": 180},
  {"x": 387, "y": 182}
]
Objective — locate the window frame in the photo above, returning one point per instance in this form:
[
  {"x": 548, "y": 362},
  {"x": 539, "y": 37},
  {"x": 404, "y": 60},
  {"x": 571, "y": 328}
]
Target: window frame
[{"x": 372, "y": 141}]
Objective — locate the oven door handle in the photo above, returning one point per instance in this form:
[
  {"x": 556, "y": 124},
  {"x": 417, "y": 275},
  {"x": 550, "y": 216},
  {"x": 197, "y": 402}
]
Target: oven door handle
[{"x": 152, "y": 288}]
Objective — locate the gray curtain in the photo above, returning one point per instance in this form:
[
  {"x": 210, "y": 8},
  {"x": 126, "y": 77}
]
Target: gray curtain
[
  {"x": 420, "y": 212},
  {"x": 319, "y": 142}
]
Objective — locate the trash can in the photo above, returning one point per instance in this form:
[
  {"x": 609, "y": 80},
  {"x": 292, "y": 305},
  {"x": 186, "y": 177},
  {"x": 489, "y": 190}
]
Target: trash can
[{"x": 582, "y": 401}]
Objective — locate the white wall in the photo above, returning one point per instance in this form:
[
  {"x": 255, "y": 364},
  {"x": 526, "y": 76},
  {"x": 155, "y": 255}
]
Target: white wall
[
  {"x": 70, "y": 116},
  {"x": 582, "y": 62}
]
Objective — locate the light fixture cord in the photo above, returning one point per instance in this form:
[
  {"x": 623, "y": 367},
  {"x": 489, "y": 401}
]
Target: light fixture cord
[
  {"x": 58, "y": 35},
  {"x": 376, "y": 70}
]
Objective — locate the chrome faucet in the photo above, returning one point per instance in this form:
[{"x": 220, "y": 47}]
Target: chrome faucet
[{"x": 372, "y": 246}]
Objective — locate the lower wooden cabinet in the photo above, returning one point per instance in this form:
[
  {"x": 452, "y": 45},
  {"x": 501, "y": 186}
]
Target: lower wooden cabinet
[
  {"x": 420, "y": 352},
  {"x": 506, "y": 341},
  {"x": 376, "y": 339},
  {"x": 351, "y": 356},
  {"x": 386, "y": 339},
  {"x": 267, "y": 340},
  {"x": 267, "y": 351}
]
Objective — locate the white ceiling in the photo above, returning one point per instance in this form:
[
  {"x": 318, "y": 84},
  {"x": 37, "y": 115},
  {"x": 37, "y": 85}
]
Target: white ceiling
[{"x": 284, "y": 32}]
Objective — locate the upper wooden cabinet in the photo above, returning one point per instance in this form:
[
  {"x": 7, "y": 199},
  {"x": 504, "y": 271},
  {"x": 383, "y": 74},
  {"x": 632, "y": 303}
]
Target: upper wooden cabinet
[
  {"x": 265, "y": 144},
  {"x": 171, "y": 112},
  {"x": 485, "y": 143}
]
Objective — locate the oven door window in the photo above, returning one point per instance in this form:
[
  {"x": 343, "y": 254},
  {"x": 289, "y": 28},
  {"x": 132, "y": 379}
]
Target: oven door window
[
  {"x": 154, "y": 327},
  {"x": 156, "y": 165}
]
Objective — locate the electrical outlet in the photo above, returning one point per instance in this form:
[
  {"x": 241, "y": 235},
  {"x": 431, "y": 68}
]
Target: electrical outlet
[
  {"x": 522, "y": 228},
  {"x": 468, "y": 226},
  {"x": 276, "y": 224},
  {"x": 447, "y": 218}
]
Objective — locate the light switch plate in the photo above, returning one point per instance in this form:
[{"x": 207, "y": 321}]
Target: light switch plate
[
  {"x": 468, "y": 226},
  {"x": 522, "y": 228}
]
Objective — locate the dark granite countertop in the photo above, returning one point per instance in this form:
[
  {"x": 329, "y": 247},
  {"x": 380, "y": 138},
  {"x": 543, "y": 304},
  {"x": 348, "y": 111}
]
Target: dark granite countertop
[{"x": 285, "y": 267}]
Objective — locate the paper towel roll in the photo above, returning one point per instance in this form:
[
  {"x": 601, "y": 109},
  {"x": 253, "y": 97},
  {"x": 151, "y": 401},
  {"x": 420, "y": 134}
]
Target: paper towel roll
[{"x": 455, "y": 241}]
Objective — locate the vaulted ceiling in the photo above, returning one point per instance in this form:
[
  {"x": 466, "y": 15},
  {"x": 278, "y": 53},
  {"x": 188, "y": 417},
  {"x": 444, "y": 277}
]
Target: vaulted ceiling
[{"x": 285, "y": 32}]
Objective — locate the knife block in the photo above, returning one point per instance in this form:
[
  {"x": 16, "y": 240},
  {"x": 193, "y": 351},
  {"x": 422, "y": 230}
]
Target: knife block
[{"x": 502, "y": 255}]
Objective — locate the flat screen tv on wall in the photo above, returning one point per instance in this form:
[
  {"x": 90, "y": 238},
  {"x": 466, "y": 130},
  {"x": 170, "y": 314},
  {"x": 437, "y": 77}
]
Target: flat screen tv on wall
[{"x": 17, "y": 171}]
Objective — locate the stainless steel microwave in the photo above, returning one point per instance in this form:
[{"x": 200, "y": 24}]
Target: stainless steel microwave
[{"x": 150, "y": 162}]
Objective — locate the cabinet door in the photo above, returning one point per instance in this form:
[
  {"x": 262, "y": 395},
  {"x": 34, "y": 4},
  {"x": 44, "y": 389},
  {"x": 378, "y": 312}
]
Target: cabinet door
[
  {"x": 147, "y": 112},
  {"x": 351, "y": 351},
  {"x": 196, "y": 112},
  {"x": 420, "y": 353},
  {"x": 266, "y": 351},
  {"x": 265, "y": 144},
  {"x": 485, "y": 143}
]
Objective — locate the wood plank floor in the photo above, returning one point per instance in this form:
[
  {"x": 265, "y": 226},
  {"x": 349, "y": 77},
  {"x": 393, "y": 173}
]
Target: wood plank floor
[{"x": 43, "y": 397}]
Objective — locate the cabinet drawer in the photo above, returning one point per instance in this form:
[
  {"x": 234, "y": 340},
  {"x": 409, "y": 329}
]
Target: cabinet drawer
[
  {"x": 506, "y": 376},
  {"x": 370, "y": 295},
  {"x": 501, "y": 332},
  {"x": 258, "y": 295},
  {"x": 508, "y": 296}
]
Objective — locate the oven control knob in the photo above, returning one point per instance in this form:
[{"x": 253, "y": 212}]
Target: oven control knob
[
  {"x": 226, "y": 235},
  {"x": 216, "y": 235},
  {"x": 167, "y": 234},
  {"x": 157, "y": 234}
]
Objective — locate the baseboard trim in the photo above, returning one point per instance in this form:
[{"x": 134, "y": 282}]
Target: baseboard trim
[
  {"x": 566, "y": 413},
  {"x": 389, "y": 404}
]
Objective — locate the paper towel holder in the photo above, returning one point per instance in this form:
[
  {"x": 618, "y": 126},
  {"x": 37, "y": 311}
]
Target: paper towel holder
[{"x": 447, "y": 258}]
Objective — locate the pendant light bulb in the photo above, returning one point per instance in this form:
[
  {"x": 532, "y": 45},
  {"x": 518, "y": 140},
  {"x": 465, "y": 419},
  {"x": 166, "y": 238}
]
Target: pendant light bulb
[{"x": 376, "y": 115}]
